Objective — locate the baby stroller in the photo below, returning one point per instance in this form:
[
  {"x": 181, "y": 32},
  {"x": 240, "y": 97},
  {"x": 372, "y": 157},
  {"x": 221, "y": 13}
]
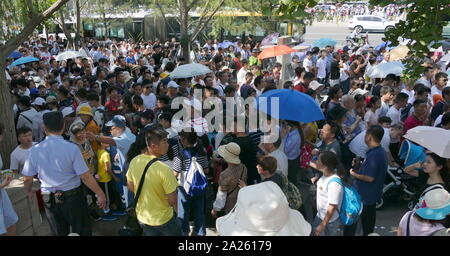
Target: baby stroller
[{"x": 397, "y": 182}]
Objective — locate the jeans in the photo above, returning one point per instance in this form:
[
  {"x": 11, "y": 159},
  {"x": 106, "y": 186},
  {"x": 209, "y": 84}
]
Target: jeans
[
  {"x": 71, "y": 216},
  {"x": 331, "y": 229},
  {"x": 171, "y": 228},
  {"x": 368, "y": 218},
  {"x": 345, "y": 86},
  {"x": 185, "y": 202}
]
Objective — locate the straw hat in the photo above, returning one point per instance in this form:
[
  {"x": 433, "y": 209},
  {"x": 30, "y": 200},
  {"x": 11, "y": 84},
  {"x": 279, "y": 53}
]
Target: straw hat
[
  {"x": 230, "y": 152},
  {"x": 262, "y": 210}
]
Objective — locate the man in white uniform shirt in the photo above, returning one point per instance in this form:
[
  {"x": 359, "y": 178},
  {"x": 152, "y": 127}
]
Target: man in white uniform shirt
[
  {"x": 307, "y": 63},
  {"x": 321, "y": 66}
]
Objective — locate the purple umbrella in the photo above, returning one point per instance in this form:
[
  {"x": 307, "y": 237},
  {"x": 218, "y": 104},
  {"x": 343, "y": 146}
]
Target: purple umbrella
[{"x": 270, "y": 39}]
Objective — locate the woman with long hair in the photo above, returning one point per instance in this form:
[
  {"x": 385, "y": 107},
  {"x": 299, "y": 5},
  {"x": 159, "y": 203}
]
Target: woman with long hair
[
  {"x": 329, "y": 194},
  {"x": 371, "y": 116},
  {"x": 434, "y": 171},
  {"x": 334, "y": 98}
]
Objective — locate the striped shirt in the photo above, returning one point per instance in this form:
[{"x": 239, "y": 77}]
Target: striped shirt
[{"x": 182, "y": 162}]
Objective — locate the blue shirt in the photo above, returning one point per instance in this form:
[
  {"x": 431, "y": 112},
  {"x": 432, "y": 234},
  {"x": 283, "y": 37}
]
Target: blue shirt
[
  {"x": 58, "y": 164},
  {"x": 123, "y": 143},
  {"x": 292, "y": 144},
  {"x": 375, "y": 166}
]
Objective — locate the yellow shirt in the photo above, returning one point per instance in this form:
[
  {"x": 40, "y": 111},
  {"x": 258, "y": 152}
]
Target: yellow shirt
[
  {"x": 103, "y": 158},
  {"x": 152, "y": 208}
]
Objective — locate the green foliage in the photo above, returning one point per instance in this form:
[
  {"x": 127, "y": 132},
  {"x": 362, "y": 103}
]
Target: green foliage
[
  {"x": 423, "y": 25},
  {"x": 14, "y": 14}
]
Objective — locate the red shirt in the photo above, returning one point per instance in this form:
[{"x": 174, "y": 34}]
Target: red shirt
[
  {"x": 113, "y": 106},
  {"x": 412, "y": 122},
  {"x": 299, "y": 87}
]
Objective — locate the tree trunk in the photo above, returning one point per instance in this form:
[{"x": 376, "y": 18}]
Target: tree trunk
[
  {"x": 6, "y": 113},
  {"x": 185, "y": 42},
  {"x": 77, "y": 35},
  {"x": 70, "y": 41},
  {"x": 7, "y": 116},
  {"x": 105, "y": 23}
]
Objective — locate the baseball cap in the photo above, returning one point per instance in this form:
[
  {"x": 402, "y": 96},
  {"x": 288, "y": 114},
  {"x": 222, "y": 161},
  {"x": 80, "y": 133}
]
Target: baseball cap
[
  {"x": 359, "y": 91},
  {"x": 315, "y": 85},
  {"x": 67, "y": 111},
  {"x": 118, "y": 121},
  {"x": 50, "y": 99},
  {"x": 34, "y": 91},
  {"x": 172, "y": 84},
  {"x": 38, "y": 101}
]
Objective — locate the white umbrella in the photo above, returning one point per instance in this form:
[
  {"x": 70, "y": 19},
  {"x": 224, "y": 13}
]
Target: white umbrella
[
  {"x": 190, "y": 70},
  {"x": 68, "y": 55},
  {"x": 383, "y": 69},
  {"x": 301, "y": 47},
  {"x": 435, "y": 139}
]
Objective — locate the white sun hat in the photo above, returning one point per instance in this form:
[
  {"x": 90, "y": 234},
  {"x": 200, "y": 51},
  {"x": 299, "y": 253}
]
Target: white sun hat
[{"x": 263, "y": 210}]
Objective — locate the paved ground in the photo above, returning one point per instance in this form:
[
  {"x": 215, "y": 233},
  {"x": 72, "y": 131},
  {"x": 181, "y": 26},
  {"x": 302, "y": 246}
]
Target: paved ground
[
  {"x": 336, "y": 31},
  {"x": 387, "y": 221}
]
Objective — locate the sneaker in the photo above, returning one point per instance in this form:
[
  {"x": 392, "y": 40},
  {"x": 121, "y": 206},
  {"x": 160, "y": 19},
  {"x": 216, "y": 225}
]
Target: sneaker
[
  {"x": 109, "y": 218},
  {"x": 96, "y": 219},
  {"x": 117, "y": 213}
]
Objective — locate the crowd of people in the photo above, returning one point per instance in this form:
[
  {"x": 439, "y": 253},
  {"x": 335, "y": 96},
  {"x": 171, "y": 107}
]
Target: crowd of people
[
  {"x": 343, "y": 12},
  {"x": 89, "y": 128}
]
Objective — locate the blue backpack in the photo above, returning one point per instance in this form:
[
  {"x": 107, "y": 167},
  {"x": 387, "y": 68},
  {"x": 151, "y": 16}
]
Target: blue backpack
[
  {"x": 196, "y": 182},
  {"x": 351, "y": 206}
]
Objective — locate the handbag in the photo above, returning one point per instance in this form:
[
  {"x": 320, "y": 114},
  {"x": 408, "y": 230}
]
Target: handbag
[{"x": 132, "y": 226}]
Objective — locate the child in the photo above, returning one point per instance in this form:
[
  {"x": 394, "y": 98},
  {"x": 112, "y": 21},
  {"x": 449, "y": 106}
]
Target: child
[{"x": 106, "y": 179}]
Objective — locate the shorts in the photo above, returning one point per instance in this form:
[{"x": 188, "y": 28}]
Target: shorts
[{"x": 8, "y": 216}]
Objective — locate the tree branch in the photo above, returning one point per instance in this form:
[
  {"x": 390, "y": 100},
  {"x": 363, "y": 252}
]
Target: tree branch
[
  {"x": 194, "y": 2},
  {"x": 164, "y": 16},
  {"x": 200, "y": 20},
  {"x": 13, "y": 43},
  {"x": 199, "y": 30}
]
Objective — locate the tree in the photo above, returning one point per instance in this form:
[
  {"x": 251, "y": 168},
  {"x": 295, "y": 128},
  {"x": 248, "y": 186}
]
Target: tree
[
  {"x": 423, "y": 25},
  {"x": 20, "y": 18},
  {"x": 180, "y": 9}
]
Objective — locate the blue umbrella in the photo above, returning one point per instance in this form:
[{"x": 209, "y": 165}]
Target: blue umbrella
[
  {"x": 15, "y": 55},
  {"x": 323, "y": 42},
  {"x": 384, "y": 44},
  {"x": 24, "y": 60},
  {"x": 225, "y": 44},
  {"x": 292, "y": 105}
]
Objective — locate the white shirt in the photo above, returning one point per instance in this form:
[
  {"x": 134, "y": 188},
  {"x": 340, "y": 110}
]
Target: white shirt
[
  {"x": 438, "y": 120},
  {"x": 424, "y": 81},
  {"x": 282, "y": 161},
  {"x": 435, "y": 90},
  {"x": 220, "y": 88},
  {"x": 359, "y": 147},
  {"x": 18, "y": 158},
  {"x": 394, "y": 114},
  {"x": 149, "y": 101},
  {"x": 200, "y": 125},
  {"x": 411, "y": 97},
  {"x": 328, "y": 194},
  {"x": 344, "y": 76},
  {"x": 321, "y": 68},
  {"x": 383, "y": 109},
  {"x": 307, "y": 63},
  {"x": 371, "y": 118},
  {"x": 241, "y": 76}
]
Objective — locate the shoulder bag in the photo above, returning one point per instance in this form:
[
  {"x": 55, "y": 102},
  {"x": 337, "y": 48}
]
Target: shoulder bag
[{"x": 132, "y": 226}]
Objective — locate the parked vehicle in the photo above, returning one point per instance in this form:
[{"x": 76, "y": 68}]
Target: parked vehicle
[{"x": 370, "y": 23}]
